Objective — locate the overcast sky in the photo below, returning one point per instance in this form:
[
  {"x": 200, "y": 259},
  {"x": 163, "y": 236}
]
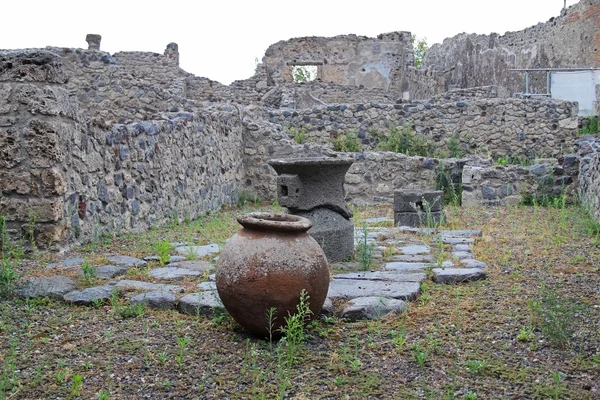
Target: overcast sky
[{"x": 221, "y": 39}]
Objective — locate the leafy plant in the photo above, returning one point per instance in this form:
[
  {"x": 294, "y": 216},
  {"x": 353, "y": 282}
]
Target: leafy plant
[
  {"x": 8, "y": 275},
  {"x": 182, "y": 343},
  {"x": 89, "y": 273},
  {"x": 163, "y": 250},
  {"x": 590, "y": 127},
  {"x": 300, "y": 135},
  {"x": 454, "y": 146},
  {"x": 364, "y": 250},
  {"x": 420, "y": 354},
  {"x": 525, "y": 334},
  {"x": 293, "y": 330},
  {"x": 76, "y": 385},
  {"x": 404, "y": 140},
  {"x": 555, "y": 316},
  {"x": 347, "y": 143}
]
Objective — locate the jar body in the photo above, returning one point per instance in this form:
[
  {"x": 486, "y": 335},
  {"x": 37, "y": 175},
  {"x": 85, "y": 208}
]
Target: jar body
[{"x": 263, "y": 269}]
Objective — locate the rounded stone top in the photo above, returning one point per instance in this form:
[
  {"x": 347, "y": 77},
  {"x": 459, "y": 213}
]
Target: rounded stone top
[
  {"x": 274, "y": 222},
  {"x": 311, "y": 161}
]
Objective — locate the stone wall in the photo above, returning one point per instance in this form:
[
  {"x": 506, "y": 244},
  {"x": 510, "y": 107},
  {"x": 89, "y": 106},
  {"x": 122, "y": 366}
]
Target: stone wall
[
  {"x": 569, "y": 40},
  {"x": 589, "y": 174},
  {"x": 511, "y": 184},
  {"x": 78, "y": 180},
  {"x": 519, "y": 127},
  {"x": 346, "y": 59}
]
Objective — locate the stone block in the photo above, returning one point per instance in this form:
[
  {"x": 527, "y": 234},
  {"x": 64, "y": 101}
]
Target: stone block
[
  {"x": 334, "y": 233},
  {"x": 289, "y": 190},
  {"x": 15, "y": 182},
  {"x": 372, "y": 308},
  {"x": 44, "y": 210},
  {"x": 418, "y": 201},
  {"x": 32, "y": 66},
  {"x": 419, "y": 219},
  {"x": 10, "y": 148}
]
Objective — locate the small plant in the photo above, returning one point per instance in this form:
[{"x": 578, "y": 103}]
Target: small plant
[
  {"x": 420, "y": 354},
  {"x": 555, "y": 317},
  {"x": 76, "y": 385},
  {"x": 300, "y": 135},
  {"x": 476, "y": 367},
  {"x": 162, "y": 357},
  {"x": 590, "y": 127},
  {"x": 104, "y": 395},
  {"x": 163, "y": 249},
  {"x": 182, "y": 343},
  {"x": 8, "y": 275},
  {"x": 364, "y": 250},
  {"x": 271, "y": 324},
  {"x": 293, "y": 330},
  {"x": 132, "y": 310},
  {"x": 454, "y": 146},
  {"x": 89, "y": 273},
  {"x": 31, "y": 232},
  {"x": 470, "y": 396},
  {"x": 399, "y": 338},
  {"x": 348, "y": 143},
  {"x": 525, "y": 334},
  {"x": 404, "y": 140}
]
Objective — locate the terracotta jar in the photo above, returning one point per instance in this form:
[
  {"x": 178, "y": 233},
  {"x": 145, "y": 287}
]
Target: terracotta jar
[{"x": 267, "y": 264}]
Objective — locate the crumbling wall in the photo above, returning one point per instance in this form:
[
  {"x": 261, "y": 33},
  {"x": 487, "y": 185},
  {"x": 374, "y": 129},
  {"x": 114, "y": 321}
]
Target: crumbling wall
[
  {"x": 569, "y": 40},
  {"x": 511, "y": 184},
  {"x": 36, "y": 117},
  {"x": 589, "y": 174},
  {"x": 75, "y": 180},
  {"x": 346, "y": 59},
  {"x": 517, "y": 127}
]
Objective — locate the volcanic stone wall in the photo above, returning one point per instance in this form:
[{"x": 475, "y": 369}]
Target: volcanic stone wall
[
  {"x": 346, "y": 59},
  {"x": 517, "y": 127},
  {"x": 74, "y": 179},
  {"x": 589, "y": 174},
  {"x": 569, "y": 40}
]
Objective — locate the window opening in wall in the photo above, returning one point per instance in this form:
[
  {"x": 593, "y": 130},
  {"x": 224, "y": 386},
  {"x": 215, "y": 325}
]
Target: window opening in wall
[{"x": 304, "y": 73}]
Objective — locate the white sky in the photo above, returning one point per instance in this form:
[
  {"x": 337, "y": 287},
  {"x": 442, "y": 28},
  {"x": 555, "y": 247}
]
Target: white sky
[{"x": 220, "y": 39}]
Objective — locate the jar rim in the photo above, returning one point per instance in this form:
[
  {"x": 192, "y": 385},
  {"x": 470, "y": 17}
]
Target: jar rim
[{"x": 274, "y": 222}]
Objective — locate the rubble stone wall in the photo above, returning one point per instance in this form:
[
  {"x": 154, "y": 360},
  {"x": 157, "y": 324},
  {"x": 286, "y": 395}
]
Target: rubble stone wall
[
  {"x": 76, "y": 180},
  {"x": 346, "y": 59},
  {"x": 589, "y": 174},
  {"x": 518, "y": 127}
]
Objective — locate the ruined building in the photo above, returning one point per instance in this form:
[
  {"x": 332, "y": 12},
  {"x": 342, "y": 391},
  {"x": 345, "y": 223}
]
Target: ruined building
[{"x": 92, "y": 143}]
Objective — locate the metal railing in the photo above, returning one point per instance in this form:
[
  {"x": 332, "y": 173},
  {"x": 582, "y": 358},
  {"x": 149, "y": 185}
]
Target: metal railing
[{"x": 549, "y": 72}]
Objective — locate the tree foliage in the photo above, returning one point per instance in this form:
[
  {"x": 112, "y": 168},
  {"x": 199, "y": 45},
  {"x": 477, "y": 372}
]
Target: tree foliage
[{"x": 420, "y": 49}]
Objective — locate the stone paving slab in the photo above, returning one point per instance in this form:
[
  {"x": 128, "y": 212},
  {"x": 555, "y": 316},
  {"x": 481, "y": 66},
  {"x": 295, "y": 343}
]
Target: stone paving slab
[
  {"x": 172, "y": 259},
  {"x": 159, "y": 300},
  {"x": 207, "y": 285},
  {"x": 126, "y": 261},
  {"x": 107, "y": 271},
  {"x": 405, "y": 266},
  {"x": 373, "y": 308},
  {"x": 389, "y": 276},
  {"x": 173, "y": 273},
  {"x": 456, "y": 240},
  {"x": 413, "y": 258},
  {"x": 198, "y": 251},
  {"x": 194, "y": 265},
  {"x": 66, "y": 263},
  {"x": 462, "y": 233},
  {"x": 462, "y": 247},
  {"x": 457, "y": 275},
  {"x": 462, "y": 255},
  {"x": 351, "y": 289},
  {"x": 90, "y": 295},
  {"x": 54, "y": 286},
  {"x": 415, "y": 249},
  {"x": 474, "y": 264},
  {"x": 147, "y": 286},
  {"x": 206, "y": 303}
]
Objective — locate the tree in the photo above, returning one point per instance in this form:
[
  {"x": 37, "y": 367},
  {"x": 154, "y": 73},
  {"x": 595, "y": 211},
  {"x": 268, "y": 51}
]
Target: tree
[
  {"x": 420, "y": 49},
  {"x": 304, "y": 73}
]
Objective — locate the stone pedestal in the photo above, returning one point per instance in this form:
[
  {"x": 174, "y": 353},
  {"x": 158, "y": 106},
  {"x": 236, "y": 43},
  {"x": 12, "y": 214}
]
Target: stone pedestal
[
  {"x": 417, "y": 207},
  {"x": 314, "y": 188}
]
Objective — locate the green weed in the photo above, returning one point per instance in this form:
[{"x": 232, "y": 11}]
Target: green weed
[{"x": 347, "y": 143}]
